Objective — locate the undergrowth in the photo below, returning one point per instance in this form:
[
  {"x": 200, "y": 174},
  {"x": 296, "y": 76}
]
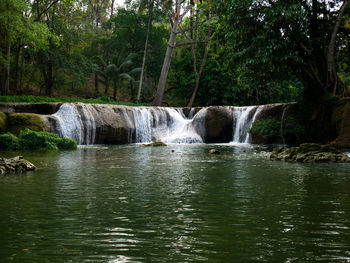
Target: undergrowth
[
  {"x": 40, "y": 99},
  {"x": 32, "y": 140}
]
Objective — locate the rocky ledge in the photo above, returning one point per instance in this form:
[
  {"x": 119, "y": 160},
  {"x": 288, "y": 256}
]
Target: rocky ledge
[
  {"x": 309, "y": 153},
  {"x": 15, "y": 165}
]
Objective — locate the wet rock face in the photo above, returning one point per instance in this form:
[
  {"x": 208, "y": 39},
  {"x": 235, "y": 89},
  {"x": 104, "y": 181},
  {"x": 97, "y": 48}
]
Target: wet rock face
[
  {"x": 218, "y": 125},
  {"x": 341, "y": 116},
  {"x": 15, "y": 165},
  {"x": 114, "y": 125},
  {"x": 309, "y": 153}
]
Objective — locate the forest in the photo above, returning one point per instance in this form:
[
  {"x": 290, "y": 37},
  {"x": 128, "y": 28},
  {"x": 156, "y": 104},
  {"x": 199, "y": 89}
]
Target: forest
[{"x": 177, "y": 52}]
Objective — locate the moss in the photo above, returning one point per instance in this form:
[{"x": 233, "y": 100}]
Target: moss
[
  {"x": 20, "y": 121},
  {"x": 3, "y": 122},
  {"x": 155, "y": 144}
]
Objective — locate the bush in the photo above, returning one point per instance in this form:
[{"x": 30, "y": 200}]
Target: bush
[
  {"x": 67, "y": 144},
  {"x": 32, "y": 140},
  {"x": 8, "y": 141},
  {"x": 268, "y": 128}
]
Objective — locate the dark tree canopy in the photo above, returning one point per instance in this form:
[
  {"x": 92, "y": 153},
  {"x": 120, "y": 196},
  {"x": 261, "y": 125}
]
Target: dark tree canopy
[{"x": 275, "y": 39}]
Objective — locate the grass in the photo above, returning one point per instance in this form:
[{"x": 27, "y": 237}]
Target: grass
[{"x": 40, "y": 99}]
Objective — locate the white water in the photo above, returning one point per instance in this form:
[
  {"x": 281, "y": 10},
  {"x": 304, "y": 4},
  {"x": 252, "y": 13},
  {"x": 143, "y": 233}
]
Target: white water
[
  {"x": 242, "y": 122},
  {"x": 78, "y": 126},
  {"x": 168, "y": 125}
]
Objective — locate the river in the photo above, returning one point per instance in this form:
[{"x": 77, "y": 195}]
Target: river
[{"x": 174, "y": 204}]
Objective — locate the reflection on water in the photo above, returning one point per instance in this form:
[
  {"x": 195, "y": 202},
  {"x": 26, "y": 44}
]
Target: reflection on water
[{"x": 174, "y": 204}]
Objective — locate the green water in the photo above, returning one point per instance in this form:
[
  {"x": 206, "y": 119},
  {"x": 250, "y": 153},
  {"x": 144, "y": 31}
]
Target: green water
[{"x": 139, "y": 204}]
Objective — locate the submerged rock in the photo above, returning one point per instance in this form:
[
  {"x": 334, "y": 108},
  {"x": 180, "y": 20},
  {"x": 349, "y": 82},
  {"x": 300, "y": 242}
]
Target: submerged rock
[
  {"x": 214, "y": 151},
  {"x": 154, "y": 144},
  {"x": 15, "y": 165},
  {"x": 309, "y": 153}
]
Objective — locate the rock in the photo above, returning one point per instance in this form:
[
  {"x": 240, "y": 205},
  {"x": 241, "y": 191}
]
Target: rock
[
  {"x": 154, "y": 144},
  {"x": 341, "y": 119},
  {"x": 215, "y": 124},
  {"x": 309, "y": 153},
  {"x": 214, "y": 151},
  {"x": 15, "y": 165},
  {"x": 17, "y": 122}
]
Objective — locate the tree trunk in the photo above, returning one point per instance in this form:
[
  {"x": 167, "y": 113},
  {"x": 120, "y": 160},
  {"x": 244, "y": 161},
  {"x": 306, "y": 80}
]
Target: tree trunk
[
  {"x": 115, "y": 90},
  {"x": 96, "y": 84},
  {"x": 332, "y": 74},
  {"x": 18, "y": 61},
  {"x": 106, "y": 85},
  {"x": 166, "y": 65},
  {"x": 198, "y": 74},
  {"x": 6, "y": 85},
  {"x": 145, "y": 51},
  {"x": 49, "y": 80}
]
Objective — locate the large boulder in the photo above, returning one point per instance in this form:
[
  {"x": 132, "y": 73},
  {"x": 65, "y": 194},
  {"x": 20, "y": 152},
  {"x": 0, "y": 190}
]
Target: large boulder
[
  {"x": 309, "y": 153},
  {"x": 114, "y": 124},
  {"x": 215, "y": 124},
  {"x": 15, "y": 165}
]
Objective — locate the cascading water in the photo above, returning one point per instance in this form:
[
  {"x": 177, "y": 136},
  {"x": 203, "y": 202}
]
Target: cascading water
[
  {"x": 123, "y": 124},
  {"x": 76, "y": 125},
  {"x": 243, "y": 118},
  {"x": 165, "y": 124}
]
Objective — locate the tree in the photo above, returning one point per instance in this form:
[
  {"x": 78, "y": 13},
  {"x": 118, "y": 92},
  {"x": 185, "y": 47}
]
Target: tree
[
  {"x": 149, "y": 25},
  {"x": 17, "y": 26},
  {"x": 176, "y": 12},
  {"x": 281, "y": 37}
]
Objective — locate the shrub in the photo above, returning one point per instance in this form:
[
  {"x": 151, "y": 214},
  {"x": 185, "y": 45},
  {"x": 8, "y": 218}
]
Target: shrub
[
  {"x": 268, "y": 128},
  {"x": 291, "y": 125},
  {"x": 32, "y": 140},
  {"x": 67, "y": 144},
  {"x": 8, "y": 141}
]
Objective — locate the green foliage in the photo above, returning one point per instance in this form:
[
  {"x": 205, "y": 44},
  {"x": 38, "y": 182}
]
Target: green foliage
[
  {"x": 271, "y": 128},
  {"x": 39, "y": 99},
  {"x": 291, "y": 126},
  {"x": 8, "y": 141},
  {"x": 66, "y": 144},
  {"x": 32, "y": 140},
  {"x": 268, "y": 128}
]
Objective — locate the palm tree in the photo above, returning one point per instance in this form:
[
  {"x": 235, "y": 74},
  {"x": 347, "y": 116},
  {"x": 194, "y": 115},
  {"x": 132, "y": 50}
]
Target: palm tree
[{"x": 120, "y": 71}]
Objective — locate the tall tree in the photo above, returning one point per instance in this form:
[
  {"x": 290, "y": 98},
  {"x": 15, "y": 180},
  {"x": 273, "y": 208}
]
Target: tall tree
[
  {"x": 149, "y": 25},
  {"x": 176, "y": 12}
]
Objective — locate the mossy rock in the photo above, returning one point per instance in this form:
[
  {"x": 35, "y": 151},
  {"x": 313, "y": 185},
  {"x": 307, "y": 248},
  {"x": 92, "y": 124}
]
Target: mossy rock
[
  {"x": 214, "y": 151},
  {"x": 154, "y": 144},
  {"x": 309, "y": 153},
  {"x": 17, "y": 122},
  {"x": 3, "y": 122}
]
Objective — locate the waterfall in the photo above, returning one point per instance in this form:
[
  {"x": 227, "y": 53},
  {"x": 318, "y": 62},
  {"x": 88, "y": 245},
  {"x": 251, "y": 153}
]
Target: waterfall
[
  {"x": 76, "y": 125},
  {"x": 165, "y": 124},
  {"x": 89, "y": 124},
  {"x": 243, "y": 118},
  {"x": 281, "y": 127}
]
